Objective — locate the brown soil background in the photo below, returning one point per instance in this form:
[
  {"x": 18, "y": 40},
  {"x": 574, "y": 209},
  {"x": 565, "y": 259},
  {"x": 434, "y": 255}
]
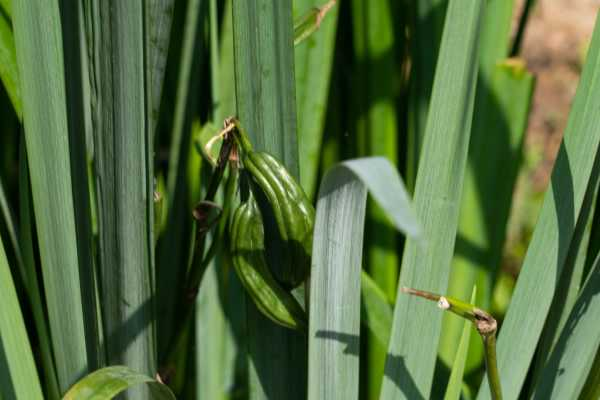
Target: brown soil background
[{"x": 554, "y": 48}]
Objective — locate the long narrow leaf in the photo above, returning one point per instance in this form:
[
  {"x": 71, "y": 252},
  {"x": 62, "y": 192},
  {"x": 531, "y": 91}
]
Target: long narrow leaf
[
  {"x": 334, "y": 327},
  {"x": 416, "y": 329},
  {"x": 575, "y": 165},
  {"x": 18, "y": 376},
  {"x": 428, "y": 24},
  {"x": 314, "y": 58},
  {"x": 40, "y": 59},
  {"x": 9, "y": 74},
  {"x": 502, "y": 105},
  {"x": 31, "y": 279},
  {"x": 574, "y": 353},
  {"x": 174, "y": 248},
  {"x": 265, "y": 99},
  {"x": 123, "y": 181},
  {"x": 455, "y": 382}
]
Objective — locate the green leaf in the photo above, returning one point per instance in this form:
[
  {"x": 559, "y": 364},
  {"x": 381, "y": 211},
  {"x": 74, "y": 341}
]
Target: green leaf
[
  {"x": 174, "y": 247},
  {"x": 314, "y": 60},
  {"x": 455, "y": 382},
  {"x": 106, "y": 383},
  {"x": 80, "y": 129},
  {"x": 265, "y": 101},
  {"x": 158, "y": 17},
  {"x": 31, "y": 279},
  {"x": 428, "y": 24},
  {"x": 376, "y": 312},
  {"x": 334, "y": 326},
  {"x": 573, "y": 178},
  {"x": 7, "y": 7},
  {"x": 124, "y": 181},
  {"x": 9, "y": 73},
  {"x": 569, "y": 286},
  {"x": 502, "y": 107},
  {"x": 38, "y": 40},
  {"x": 376, "y": 127},
  {"x": 591, "y": 390},
  {"x": 573, "y": 356},
  {"x": 416, "y": 328},
  {"x": 18, "y": 376}
]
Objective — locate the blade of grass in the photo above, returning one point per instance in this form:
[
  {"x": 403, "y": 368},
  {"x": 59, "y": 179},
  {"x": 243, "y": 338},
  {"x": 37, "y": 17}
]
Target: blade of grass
[
  {"x": 108, "y": 382},
  {"x": 314, "y": 59},
  {"x": 376, "y": 132},
  {"x": 18, "y": 375},
  {"x": 174, "y": 247},
  {"x": 40, "y": 60},
  {"x": 265, "y": 101},
  {"x": 455, "y": 382},
  {"x": 428, "y": 24},
  {"x": 376, "y": 312},
  {"x": 158, "y": 15},
  {"x": 416, "y": 328},
  {"x": 220, "y": 308},
  {"x": 591, "y": 390},
  {"x": 334, "y": 327},
  {"x": 502, "y": 106},
  {"x": 568, "y": 289},
  {"x": 123, "y": 182},
  {"x": 574, "y": 353},
  {"x": 575, "y": 168},
  {"x": 6, "y": 7},
  {"x": 79, "y": 120},
  {"x": 9, "y": 73},
  {"x": 34, "y": 294}
]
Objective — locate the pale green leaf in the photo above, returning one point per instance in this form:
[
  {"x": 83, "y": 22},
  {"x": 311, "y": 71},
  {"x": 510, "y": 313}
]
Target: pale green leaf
[
  {"x": 18, "y": 376},
  {"x": 573, "y": 178},
  {"x": 416, "y": 328},
  {"x": 569, "y": 363},
  {"x": 38, "y": 40},
  {"x": 334, "y": 327},
  {"x": 9, "y": 75}
]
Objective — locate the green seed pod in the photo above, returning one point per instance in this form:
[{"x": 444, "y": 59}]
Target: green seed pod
[
  {"x": 293, "y": 213},
  {"x": 248, "y": 254}
]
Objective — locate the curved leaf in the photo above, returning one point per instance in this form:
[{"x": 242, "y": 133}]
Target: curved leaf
[
  {"x": 108, "y": 382},
  {"x": 336, "y": 267}
]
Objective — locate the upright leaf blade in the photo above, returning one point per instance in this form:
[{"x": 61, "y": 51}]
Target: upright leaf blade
[
  {"x": 334, "y": 327},
  {"x": 9, "y": 74},
  {"x": 18, "y": 376},
  {"x": 376, "y": 132},
  {"x": 574, "y": 353},
  {"x": 38, "y": 42},
  {"x": 265, "y": 99},
  {"x": 123, "y": 181},
  {"x": 416, "y": 328},
  {"x": 314, "y": 59},
  {"x": 576, "y": 164}
]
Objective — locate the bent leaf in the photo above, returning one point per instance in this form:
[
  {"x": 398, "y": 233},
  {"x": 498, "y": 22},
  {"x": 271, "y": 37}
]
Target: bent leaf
[
  {"x": 108, "y": 382},
  {"x": 334, "y": 327}
]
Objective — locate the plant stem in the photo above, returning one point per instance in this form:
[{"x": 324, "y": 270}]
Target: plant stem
[
  {"x": 485, "y": 324},
  {"x": 491, "y": 366}
]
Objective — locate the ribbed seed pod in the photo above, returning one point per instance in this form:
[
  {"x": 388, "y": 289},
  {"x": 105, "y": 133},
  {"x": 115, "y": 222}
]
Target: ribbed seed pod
[
  {"x": 293, "y": 212},
  {"x": 248, "y": 255}
]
